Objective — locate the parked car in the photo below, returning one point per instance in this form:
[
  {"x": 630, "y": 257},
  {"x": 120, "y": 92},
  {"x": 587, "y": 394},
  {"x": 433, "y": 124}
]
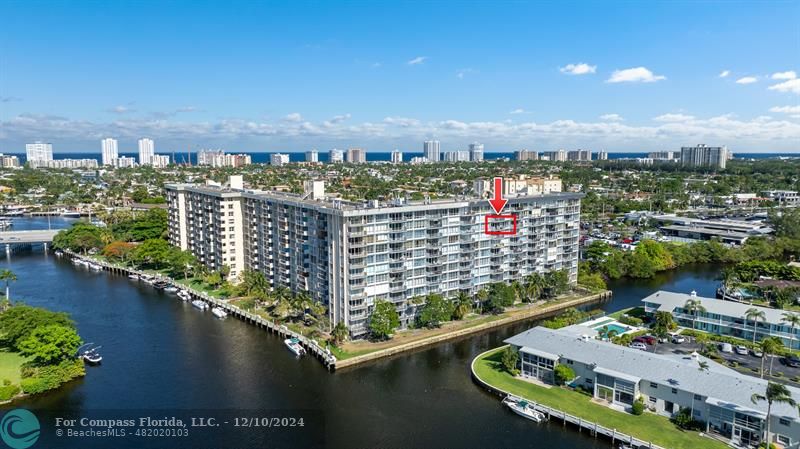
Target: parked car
[
  {"x": 792, "y": 361},
  {"x": 646, "y": 339},
  {"x": 756, "y": 353},
  {"x": 726, "y": 347},
  {"x": 741, "y": 350},
  {"x": 678, "y": 339},
  {"x": 638, "y": 345}
]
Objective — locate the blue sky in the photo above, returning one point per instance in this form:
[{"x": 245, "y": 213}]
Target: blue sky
[{"x": 269, "y": 76}]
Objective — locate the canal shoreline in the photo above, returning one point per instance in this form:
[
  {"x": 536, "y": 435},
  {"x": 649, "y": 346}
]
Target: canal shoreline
[{"x": 326, "y": 357}]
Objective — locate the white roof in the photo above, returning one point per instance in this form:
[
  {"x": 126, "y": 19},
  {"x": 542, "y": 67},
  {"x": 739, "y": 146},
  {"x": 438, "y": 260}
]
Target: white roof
[{"x": 669, "y": 301}]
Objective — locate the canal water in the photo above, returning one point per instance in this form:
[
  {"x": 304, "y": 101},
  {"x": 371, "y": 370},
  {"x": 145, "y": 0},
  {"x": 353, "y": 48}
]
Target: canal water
[{"x": 161, "y": 354}]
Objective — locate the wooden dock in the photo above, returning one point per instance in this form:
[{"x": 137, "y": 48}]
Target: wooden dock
[{"x": 311, "y": 346}]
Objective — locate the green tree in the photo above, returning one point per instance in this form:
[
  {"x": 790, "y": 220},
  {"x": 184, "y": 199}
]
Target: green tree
[
  {"x": 20, "y": 320},
  {"x": 462, "y": 305},
  {"x": 339, "y": 333},
  {"x": 501, "y": 295},
  {"x": 563, "y": 374},
  {"x": 694, "y": 307},
  {"x": 775, "y": 393},
  {"x": 384, "y": 320},
  {"x": 7, "y": 276},
  {"x": 435, "y": 311},
  {"x": 50, "y": 344},
  {"x": 510, "y": 359},
  {"x": 793, "y": 319},
  {"x": 152, "y": 253},
  {"x": 755, "y": 314},
  {"x": 534, "y": 285}
]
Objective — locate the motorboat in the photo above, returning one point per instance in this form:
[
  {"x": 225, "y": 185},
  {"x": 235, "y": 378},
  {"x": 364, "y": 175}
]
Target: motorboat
[
  {"x": 171, "y": 289},
  {"x": 160, "y": 285},
  {"x": 184, "y": 295},
  {"x": 147, "y": 278},
  {"x": 133, "y": 277},
  {"x": 95, "y": 266},
  {"x": 200, "y": 304},
  {"x": 219, "y": 313},
  {"x": 71, "y": 214},
  {"x": 524, "y": 408},
  {"x": 294, "y": 345},
  {"x": 59, "y": 253},
  {"x": 90, "y": 354}
]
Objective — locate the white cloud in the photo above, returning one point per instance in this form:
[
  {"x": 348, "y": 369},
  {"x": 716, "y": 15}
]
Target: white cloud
[
  {"x": 786, "y": 109},
  {"x": 634, "y": 75},
  {"x": 788, "y": 75},
  {"x": 293, "y": 117},
  {"x": 747, "y": 80},
  {"x": 336, "y": 119},
  {"x": 461, "y": 73},
  {"x": 580, "y": 68},
  {"x": 724, "y": 73},
  {"x": 121, "y": 109},
  {"x": 792, "y": 86},
  {"x": 418, "y": 60},
  {"x": 376, "y": 65},
  {"x": 672, "y": 118},
  {"x": 403, "y": 122},
  {"x": 611, "y": 117},
  {"x": 518, "y": 111}
]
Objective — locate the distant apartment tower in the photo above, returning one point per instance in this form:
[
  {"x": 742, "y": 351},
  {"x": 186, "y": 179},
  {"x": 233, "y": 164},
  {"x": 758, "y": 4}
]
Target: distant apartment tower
[
  {"x": 347, "y": 256},
  {"x": 430, "y": 149},
  {"x": 278, "y": 159},
  {"x": 9, "y": 161},
  {"x": 579, "y": 155},
  {"x": 159, "y": 160},
  {"x": 218, "y": 158},
  {"x": 476, "y": 152},
  {"x": 662, "y": 155},
  {"x": 457, "y": 156},
  {"x": 38, "y": 152},
  {"x": 125, "y": 162},
  {"x": 602, "y": 156},
  {"x": 146, "y": 151},
  {"x": 397, "y": 157},
  {"x": 704, "y": 156},
  {"x": 525, "y": 155},
  {"x": 356, "y": 155},
  {"x": 335, "y": 156},
  {"x": 556, "y": 156},
  {"x": 109, "y": 151},
  {"x": 312, "y": 156}
]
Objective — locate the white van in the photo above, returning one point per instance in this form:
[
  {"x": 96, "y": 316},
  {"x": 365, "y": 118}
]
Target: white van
[{"x": 726, "y": 347}]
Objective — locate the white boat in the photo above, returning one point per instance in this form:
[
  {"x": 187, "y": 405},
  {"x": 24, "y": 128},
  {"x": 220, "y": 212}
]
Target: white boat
[
  {"x": 147, "y": 278},
  {"x": 133, "y": 277},
  {"x": 184, "y": 295},
  {"x": 95, "y": 267},
  {"x": 59, "y": 253},
  {"x": 219, "y": 313},
  {"x": 524, "y": 409},
  {"x": 71, "y": 214},
  {"x": 200, "y": 304},
  {"x": 294, "y": 345},
  {"x": 171, "y": 289}
]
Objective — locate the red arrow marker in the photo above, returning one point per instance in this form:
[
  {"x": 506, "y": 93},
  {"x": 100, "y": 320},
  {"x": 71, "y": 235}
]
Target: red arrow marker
[{"x": 498, "y": 203}]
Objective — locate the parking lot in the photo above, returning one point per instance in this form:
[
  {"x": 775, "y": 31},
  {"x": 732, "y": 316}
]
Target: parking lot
[{"x": 746, "y": 362}]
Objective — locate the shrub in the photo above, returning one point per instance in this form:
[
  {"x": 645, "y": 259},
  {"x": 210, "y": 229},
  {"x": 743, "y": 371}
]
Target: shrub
[
  {"x": 631, "y": 320},
  {"x": 638, "y": 407},
  {"x": 48, "y": 377},
  {"x": 510, "y": 359},
  {"x": 8, "y": 391},
  {"x": 563, "y": 374}
]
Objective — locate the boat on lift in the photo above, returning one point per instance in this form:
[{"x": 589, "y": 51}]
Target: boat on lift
[
  {"x": 184, "y": 295},
  {"x": 200, "y": 304},
  {"x": 294, "y": 345},
  {"x": 219, "y": 312}
]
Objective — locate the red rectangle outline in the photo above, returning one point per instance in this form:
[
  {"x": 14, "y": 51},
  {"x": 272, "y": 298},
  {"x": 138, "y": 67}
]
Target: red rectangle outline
[{"x": 486, "y": 219}]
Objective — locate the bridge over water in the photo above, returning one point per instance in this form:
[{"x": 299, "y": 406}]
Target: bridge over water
[{"x": 11, "y": 240}]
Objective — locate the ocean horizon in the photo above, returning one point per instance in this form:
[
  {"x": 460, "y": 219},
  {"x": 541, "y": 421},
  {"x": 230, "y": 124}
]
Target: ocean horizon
[{"x": 372, "y": 156}]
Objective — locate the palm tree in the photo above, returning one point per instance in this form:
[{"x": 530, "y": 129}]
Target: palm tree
[
  {"x": 767, "y": 346},
  {"x": 776, "y": 393},
  {"x": 7, "y": 276},
  {"x": 754, "y": 314},
  {"x": 534, "y": 284},
  {"x": 481, "y": 297},
  {"x": 694, "y": 307},
  {"x": 793, "y": 320},
  {"x": 462, "y": 305}
]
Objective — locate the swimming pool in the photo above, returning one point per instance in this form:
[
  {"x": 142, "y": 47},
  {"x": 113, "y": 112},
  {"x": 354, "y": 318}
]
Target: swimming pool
[{"x": 613, "y": 327}]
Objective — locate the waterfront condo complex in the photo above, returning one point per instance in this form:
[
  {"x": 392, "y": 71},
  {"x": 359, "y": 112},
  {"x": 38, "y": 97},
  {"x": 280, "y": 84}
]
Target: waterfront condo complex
[{"x": 348, "y": 255}]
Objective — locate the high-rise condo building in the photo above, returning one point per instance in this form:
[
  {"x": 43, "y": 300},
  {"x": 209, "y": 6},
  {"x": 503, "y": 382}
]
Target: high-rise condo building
[
  {"x": 146, "y": 151},
  {"x": 556, "y": 156},
  {"x": 456, "y": 156},
  {"x": 218, "y": 158},
  {"x": 525, "y": 155},
  {"x": 476, "y": 152},
  {"x": 278, "y": 159},
  {"x": 579, "y": 155},
  {"x": 356, "y": 155},
  {"x": 663, "y": 155},
  {"x": 108, "y": 151},
  {"x": 312, "y": 156},
  {"x": 9, "y": 161},
  {"x": 602, "y": 156},
  {"x": 38, "y": 152},
  {"x": 704, "y": 156},
  {"x": 159, "y": 160},
  {"x": 349, "y": 255},
  {"x": 397, "y": 157},
  {"x": 335, "y": 156},
  {"x": 430, "y": 149}
]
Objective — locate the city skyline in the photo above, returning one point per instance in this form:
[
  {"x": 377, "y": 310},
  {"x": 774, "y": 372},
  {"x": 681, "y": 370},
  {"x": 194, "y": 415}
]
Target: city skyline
[{"x": 541, "y": 76}]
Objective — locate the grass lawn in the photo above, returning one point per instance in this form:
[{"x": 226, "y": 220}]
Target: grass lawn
[
  {"x": 10, "y": 363},
  {"x": 648, "y": 427}
]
